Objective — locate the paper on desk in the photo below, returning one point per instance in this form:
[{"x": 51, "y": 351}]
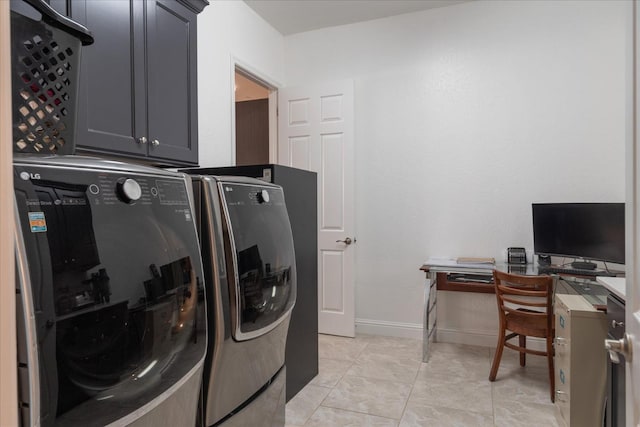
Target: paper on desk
[
  {"x": 471, "y": 260},
  {"x": 453, "y": 262}
]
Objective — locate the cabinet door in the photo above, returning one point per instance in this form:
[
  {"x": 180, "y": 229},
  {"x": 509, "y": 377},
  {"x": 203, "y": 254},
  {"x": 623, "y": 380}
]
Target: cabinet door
[
  {"x": 172, "y": 86},
  {"x": 111, "y": 104}
]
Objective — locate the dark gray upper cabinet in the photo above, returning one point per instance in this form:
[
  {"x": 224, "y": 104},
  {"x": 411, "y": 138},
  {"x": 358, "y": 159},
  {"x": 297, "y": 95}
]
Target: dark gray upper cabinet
[{"x": 138, "y": 81}]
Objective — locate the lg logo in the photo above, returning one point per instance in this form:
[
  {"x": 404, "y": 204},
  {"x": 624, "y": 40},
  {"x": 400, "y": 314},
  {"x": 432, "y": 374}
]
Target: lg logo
[{"x": 26, "y": 176}]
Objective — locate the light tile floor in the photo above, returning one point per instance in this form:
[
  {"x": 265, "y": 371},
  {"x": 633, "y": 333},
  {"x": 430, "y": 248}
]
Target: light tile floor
[{"x": 381, "y": 381}]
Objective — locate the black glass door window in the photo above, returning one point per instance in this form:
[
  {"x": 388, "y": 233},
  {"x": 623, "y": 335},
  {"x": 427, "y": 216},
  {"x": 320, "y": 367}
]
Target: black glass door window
[{"x": 264, "y": 252}]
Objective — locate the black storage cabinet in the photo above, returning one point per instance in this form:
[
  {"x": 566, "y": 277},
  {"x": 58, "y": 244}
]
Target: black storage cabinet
[{"x": 300, "y": 192}]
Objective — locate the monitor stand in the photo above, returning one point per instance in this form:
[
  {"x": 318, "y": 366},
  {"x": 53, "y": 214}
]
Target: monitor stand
[{"x": 584, "y": 265}]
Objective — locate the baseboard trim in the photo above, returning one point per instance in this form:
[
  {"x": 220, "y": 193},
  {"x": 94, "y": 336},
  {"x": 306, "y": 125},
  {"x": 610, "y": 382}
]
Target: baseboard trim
[
  {"x": 454, "y": 336},
  {"x": 483, "y": 339},
  {"x": 390, "y": 329}
]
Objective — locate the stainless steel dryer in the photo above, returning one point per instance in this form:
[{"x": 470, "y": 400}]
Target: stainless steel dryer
[
  {"x": 249, "y": 264},
  {"x": 111, "y": 301}
]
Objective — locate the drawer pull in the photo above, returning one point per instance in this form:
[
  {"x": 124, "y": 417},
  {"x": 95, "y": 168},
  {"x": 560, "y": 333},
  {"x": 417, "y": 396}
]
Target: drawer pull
[
  {"x": 616, "y": 324},
  {"x": 560, "y": 342}
]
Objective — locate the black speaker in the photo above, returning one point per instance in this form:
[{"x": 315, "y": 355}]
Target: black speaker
[{"x": 544, "y": 260}]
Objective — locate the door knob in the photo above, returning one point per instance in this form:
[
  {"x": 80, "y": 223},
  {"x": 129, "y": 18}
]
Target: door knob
[
  {"x": 617, "y": 347},
  {"x": 346, "y": 241},
  {"x": 155, "y": 142},
  {"x": 142, "y": 140}
]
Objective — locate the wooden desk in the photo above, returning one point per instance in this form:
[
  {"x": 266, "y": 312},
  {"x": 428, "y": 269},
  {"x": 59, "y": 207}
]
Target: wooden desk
[
  {"x": 439, "y": 278},
  {"x": 442, "y": 278},
  {"x": 444, "y": 282}
]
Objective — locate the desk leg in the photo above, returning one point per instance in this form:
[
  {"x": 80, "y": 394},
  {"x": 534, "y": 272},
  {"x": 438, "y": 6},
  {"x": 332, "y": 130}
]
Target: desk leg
[
  {"x": 425, "y": 323},
  {"x": 429, "y": 321}
]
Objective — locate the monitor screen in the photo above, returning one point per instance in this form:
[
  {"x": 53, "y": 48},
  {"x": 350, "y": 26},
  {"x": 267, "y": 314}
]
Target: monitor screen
[{"x": 592, "y": 231}]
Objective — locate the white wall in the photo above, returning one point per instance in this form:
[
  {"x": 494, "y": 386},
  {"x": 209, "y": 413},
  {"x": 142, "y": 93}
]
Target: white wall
[
  {"x": 230, "y": 32},
  {"x": 465, "y": 115}
]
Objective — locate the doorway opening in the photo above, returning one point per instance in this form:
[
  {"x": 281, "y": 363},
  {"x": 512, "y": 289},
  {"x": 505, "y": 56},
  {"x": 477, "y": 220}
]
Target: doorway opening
[{"x": 255, "y": 129}]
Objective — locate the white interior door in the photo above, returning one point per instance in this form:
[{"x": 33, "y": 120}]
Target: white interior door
[
  {"x": 315, "y": 132},
  {"x": 632, "y": 320}
]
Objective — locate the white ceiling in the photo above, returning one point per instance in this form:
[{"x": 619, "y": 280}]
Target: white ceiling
[{"x": 296, "y": 16}]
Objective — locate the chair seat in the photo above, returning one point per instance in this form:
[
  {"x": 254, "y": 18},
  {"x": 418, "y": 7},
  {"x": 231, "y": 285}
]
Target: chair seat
[{"x": 521, "y": 322}]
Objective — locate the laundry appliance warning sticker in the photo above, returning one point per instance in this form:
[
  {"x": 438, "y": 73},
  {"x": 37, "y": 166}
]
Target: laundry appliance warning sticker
[{"x": 37, "y": 222}]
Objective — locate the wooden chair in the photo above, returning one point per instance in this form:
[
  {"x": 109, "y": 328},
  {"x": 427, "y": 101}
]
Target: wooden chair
[{"x": 526, "y": 309}]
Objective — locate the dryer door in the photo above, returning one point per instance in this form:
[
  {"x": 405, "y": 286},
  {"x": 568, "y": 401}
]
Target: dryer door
[{"x": 263, "y": 257}]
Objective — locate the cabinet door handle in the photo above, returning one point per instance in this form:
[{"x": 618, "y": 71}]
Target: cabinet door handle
[
  {"x": 142, "y": 140},
  {"x": 155, "y": 142}
]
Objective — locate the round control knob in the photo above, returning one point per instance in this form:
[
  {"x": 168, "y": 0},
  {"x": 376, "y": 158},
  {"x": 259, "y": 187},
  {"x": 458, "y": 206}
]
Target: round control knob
[
  {"x": 128, "y": 190},
  {"x": 263, "y": 196}
]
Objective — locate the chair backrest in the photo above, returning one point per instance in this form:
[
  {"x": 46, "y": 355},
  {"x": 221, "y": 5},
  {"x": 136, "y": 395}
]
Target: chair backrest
[{"x": 531, "y": 293}]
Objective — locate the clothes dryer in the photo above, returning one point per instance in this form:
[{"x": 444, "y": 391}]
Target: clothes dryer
[{"x": 249, "y": 265}]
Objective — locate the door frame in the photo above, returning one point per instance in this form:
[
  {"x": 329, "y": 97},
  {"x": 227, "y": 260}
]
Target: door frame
[
  {"x": 8, "y": 359},
  {"x": 273, "y": 85},
  {"x": 632, "y": 306}
]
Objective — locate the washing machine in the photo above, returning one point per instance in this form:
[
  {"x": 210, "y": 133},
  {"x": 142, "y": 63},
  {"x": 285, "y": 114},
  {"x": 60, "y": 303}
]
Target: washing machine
[
  {"x": 110, "y": 294},
  {"x": 249, "y": 266}
]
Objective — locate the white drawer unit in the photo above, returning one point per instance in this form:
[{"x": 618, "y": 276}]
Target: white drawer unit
[{"x": 580, "y": 362}]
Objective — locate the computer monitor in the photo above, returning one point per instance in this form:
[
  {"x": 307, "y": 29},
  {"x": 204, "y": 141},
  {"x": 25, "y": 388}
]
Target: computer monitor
[{"x": 590, "y": 231}]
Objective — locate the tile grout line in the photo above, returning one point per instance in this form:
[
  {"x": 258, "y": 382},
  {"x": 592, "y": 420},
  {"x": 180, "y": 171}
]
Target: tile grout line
[
  {"x": 353, "y": 362},
  {"x": 406, "y": 403},
  {"x": 334, "y": 386},
  {"x": 370, "y": 345}
]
